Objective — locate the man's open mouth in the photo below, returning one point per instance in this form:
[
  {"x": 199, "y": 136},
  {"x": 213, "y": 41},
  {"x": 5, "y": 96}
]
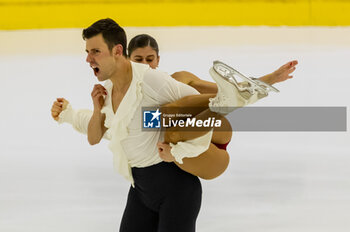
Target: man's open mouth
[{"x": 96, "y": 70}]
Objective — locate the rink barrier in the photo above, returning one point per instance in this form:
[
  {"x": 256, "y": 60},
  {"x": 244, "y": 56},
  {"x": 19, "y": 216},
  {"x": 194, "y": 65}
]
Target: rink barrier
[{"x": 38, "y": 14}]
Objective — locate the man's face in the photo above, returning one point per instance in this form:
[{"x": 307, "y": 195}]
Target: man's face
[{"x": 100, "y": 58}]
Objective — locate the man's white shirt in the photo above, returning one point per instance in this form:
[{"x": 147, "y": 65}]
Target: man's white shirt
[{"x": 132, "y": 146}]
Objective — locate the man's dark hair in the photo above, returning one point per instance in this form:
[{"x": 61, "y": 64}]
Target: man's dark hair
[
  {"x": 141, "y": 41},
  {"x": 111, "y": 32}
]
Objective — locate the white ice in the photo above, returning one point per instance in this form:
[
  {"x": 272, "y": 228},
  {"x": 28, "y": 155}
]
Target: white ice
[{"x": 52, "y": 180}]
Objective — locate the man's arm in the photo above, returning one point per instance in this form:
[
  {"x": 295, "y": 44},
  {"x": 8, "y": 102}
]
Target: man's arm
[
  {"x": 167, "y": 88},
  {"x": 62, "y": 112},
  {"x": 96, "y": 128},
  {"x": 79, "y": 119}
]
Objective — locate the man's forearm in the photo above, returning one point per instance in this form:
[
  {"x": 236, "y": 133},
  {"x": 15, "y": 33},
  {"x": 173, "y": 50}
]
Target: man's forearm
[
  {"x": 96, "y": 128},
  {"x": 79, "y": 119}
]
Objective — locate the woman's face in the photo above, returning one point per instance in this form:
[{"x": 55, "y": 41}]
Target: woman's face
[{"x": 145, "y": 55}]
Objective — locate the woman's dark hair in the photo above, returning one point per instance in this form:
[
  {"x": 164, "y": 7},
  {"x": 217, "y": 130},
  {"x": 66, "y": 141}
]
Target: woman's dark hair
[
  {"x": 112, "y": 33},
  {"x": 141, "y": 41}
]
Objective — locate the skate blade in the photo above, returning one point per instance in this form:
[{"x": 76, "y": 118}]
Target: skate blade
[{"x": 267, "y": 86}]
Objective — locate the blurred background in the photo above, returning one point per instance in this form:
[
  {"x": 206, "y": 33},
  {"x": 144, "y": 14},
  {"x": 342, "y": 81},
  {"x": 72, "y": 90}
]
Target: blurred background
[{"x": 51, "y": 179}]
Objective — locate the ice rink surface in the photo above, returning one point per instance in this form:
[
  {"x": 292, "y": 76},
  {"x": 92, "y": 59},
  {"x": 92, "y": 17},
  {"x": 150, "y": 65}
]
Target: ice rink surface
[{"x": 52, "y": 180}]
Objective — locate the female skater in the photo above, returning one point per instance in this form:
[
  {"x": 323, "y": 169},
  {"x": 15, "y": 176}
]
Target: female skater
[{"x": 210, "y": 164}]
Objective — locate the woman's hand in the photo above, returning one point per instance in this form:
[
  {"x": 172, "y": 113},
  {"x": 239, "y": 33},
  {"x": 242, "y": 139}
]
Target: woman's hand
[{"x": 164, "y": 152}]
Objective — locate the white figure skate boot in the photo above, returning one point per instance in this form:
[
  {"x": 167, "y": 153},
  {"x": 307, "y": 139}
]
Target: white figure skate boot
[{"x": 232, "y": 94}]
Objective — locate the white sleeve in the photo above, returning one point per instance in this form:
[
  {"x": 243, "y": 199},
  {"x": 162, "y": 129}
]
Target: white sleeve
[
  {"x": 191, "y": 148},
  {"x": 168, "y": 88},
  {"x": 79, "y": 119}
]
